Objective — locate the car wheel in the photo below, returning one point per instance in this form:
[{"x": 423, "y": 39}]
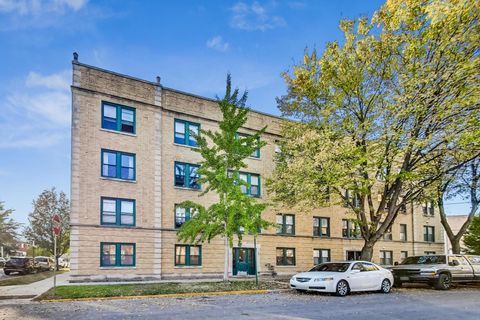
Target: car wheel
[
  {"x": 6, "y": 272},
  {"x": 342, "y": 288},
  {"x": 444, "y": 282},
  {"x": 386, "y": 286}
]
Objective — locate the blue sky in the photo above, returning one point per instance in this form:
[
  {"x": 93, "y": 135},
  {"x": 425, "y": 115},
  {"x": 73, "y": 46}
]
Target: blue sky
[{"x": 190, "y": 44}]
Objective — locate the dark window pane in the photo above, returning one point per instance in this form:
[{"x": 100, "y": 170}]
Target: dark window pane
[
  {"x": 193, "y": 132},
  {"x": 108, "y": 255},
  {"x": 109, "y": 171},
  {"x": 127, "y": 127},
  {"x": 128, "y": 120},
  {"x": 109, "y": 120},
  {"x": 110, "y": 124},
  {"x": 179, "y": 132},
  {"x": 179, "y": 175},
  {"x": 180, "y": 217},
  {"x": 194, "y": 177}
]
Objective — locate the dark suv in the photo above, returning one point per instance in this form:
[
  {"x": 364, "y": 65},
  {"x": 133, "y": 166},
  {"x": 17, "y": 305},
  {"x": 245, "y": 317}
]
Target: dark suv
[{"x": 22, "y": 265}]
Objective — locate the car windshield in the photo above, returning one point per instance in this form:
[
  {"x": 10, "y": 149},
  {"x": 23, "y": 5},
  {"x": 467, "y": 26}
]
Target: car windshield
[
  {"x": 425, "y": 260},
  {"x": 331, "y": 267}
]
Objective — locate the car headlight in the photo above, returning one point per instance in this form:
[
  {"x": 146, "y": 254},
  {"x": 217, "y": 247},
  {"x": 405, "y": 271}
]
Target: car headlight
[{"x": 323, "y": 279}]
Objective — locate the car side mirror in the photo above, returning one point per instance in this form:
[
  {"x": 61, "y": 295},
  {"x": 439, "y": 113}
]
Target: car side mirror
[
  {"x": 355, "y": 271},
  {"x": 395, "y": 263}
]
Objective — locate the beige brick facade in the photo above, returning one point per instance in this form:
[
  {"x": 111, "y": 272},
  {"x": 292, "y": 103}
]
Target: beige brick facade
[{"x": 155, "y": 195}]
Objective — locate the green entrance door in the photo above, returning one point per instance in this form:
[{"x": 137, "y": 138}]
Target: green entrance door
[{"x": 243, "y": 261}]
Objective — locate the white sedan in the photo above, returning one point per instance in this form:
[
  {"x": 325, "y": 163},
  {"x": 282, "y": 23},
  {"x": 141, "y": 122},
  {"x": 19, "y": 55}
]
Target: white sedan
[{"x": 344, "y": 277}]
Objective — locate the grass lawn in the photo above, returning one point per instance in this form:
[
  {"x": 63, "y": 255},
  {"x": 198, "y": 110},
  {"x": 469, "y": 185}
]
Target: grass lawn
[
  {"x": 16, "y": 279},
  {"x": 118, "y": 290}
]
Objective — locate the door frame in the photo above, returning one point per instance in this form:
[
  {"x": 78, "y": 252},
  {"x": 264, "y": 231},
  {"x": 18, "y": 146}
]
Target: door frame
[{"x": 251, "y": 264}]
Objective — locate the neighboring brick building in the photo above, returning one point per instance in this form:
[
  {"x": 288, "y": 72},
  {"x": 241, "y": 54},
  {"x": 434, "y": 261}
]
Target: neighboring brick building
[{"x": 132, "y": 161}]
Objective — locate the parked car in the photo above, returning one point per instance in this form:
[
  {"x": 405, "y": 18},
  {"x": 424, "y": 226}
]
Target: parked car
[
  {"x": 440, "y": 271},
  {"x": 44, "y": 263},
  {"x": 63, "y": 262},
  {"x": 344, "y": 277},
  {"x": 2, "y": 262},
  {"x": 22, "y": 265}
]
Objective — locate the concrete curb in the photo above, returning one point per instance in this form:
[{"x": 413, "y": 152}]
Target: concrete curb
[
  {"x": 167, "y": 295},
  {"x": 20, "y": 296}
]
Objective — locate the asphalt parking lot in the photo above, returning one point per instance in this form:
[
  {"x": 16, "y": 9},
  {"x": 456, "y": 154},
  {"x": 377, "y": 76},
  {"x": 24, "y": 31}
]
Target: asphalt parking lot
[{"x": 405, "y": 303}]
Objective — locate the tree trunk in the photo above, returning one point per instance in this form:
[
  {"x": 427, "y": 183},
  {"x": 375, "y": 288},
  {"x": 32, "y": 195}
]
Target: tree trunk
[
  {"x": 455, "y": 245},
  {"x": 225, "y": 266},
  {"x": 367, "y": 250}
]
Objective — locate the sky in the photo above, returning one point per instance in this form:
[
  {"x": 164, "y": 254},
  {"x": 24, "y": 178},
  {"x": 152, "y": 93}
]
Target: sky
[{"x": 191, "y": 45}]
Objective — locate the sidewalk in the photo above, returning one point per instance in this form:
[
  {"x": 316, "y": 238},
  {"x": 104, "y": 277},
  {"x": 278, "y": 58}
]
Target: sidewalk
[{"x": 28, "y": 291}]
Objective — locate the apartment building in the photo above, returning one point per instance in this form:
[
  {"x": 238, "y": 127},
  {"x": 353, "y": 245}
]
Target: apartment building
[{"x": 133, "y": 160}]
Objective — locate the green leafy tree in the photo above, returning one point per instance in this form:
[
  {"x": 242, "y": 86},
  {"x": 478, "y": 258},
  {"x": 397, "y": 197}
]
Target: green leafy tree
[
  {"x": 472, "y": 236},
  {"x": 40, "y": 229},
  {"x": 224, "y": 153},
  {"x": 8, "y": 229},
  {"x": 375, "y": 111}
]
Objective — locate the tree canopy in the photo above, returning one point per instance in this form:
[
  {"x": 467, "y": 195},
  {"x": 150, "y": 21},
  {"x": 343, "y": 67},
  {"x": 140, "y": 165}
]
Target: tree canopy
[
  {"x": 378, "y": 109},
  {"x": 8, "y": 229},
  {"x": 40, "y": 228},
  {"x": 472, "y": 237}
]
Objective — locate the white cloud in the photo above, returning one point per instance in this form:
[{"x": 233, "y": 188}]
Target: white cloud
[
  {"x": 38, "y": 7},
  {"x": 38, "y": 113},
  {"x": 254, "y": 17},
  {"x": 52, "y": 106},
  {"x": 59, "y": 80},
  {"x": 218, "y": 44}
]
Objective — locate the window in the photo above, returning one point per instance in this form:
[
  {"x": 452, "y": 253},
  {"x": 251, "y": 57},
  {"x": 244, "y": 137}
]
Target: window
[
  {"x": 428, "y": 209},
  {"x": 369, "y": 267},
  {"x": 120, "y": 212},
  {"x": 116, "y": 164},
  {"x": 118, "y": 118},
  {"x": 321, "y": 227},
  {"x": 182, "y": 215},
  {"x": 386, "y": 257},
  {"x": 285, "y": 256},
  {"x": 353, "y": 197},
  {"x": 186, "y": 175},
  {"x": 187, "y": 255},
  {"x": 117, "y": 254},
  {"x": 350, "y": 229},
  {"x": 388, "y": 234},
  {"x": 252, "y": 182},
  {"x": 430, "y": 253},
  {"x": 321, "y": 256},
  {"x": 256, "y": 153},
  {"x": 403, "y": 255},
  {"x": 285, "y": 224},
  {"x": 403, "y": 232},
  {"x": 428, "y": 233},
  {"x": 186, "y": 132}
]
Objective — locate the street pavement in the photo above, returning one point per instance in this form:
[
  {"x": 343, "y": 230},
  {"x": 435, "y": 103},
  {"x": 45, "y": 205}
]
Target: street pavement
[{"x": 405, "y": 304}]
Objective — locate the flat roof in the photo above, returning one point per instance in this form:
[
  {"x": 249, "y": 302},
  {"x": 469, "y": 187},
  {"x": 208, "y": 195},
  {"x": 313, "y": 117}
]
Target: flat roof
[{"x": 168, "y": 88}]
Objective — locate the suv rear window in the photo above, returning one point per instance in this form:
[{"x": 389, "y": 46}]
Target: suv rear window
[
  {"x": 17, "y": 261},
  {"x": 425, "y": 260}
]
